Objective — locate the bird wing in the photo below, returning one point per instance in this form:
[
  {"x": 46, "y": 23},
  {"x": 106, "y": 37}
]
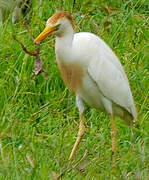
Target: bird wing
[{"x": 111, "y": 80}]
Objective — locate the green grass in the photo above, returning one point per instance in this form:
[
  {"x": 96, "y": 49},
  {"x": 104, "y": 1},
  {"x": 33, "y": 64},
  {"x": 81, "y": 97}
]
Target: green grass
[{"x": 39, "y": 118}]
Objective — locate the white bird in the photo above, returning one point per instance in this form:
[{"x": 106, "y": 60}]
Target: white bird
[{"x": 92, "y": 71}]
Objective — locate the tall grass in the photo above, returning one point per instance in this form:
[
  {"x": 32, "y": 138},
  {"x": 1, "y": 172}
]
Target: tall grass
[{"x": 39, "y": 119}]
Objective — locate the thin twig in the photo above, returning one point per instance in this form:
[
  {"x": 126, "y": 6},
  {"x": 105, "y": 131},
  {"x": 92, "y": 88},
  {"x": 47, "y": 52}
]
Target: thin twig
[
  {"x": 31, "y": 53},
  {"x": 30, "y": 161}
]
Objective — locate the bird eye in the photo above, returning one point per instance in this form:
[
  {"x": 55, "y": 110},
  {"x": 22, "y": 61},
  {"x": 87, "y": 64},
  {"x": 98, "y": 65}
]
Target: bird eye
[{"x": 57, "y": 27}]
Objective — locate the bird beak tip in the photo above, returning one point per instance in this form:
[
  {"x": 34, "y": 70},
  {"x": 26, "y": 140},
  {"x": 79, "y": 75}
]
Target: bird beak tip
[
  {"x": 36, "y": 41},
  {"x": 45, "y": 33}
]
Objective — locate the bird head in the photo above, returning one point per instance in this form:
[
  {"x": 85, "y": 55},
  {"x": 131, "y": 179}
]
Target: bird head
[{"x": 57, "y": 25}]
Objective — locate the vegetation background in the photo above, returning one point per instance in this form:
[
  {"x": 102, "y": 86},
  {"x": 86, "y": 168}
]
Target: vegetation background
[{"x": 39, "y": 119}]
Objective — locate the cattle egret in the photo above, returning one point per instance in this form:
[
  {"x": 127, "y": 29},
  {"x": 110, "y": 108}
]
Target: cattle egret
[{"x": 92, "y": 71}]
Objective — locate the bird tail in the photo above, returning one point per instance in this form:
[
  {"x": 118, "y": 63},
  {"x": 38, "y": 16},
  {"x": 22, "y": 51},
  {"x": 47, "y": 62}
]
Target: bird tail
[
  {"x": 134, "y": 112},
  {"x": 130, "y": 117}
]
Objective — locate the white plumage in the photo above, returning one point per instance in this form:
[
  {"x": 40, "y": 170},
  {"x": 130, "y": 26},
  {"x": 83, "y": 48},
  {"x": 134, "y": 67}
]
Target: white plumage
[
  {"x": 90, "y": 69},
  {"x": 105, "y": 84}
]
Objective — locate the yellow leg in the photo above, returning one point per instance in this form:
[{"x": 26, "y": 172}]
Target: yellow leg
[
  {"x": 79, "y": 137},
  {"x": 114, "y": 146}
]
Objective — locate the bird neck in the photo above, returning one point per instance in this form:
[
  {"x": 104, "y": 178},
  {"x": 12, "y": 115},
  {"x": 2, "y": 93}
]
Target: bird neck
[{"x": 65, "y": 38}]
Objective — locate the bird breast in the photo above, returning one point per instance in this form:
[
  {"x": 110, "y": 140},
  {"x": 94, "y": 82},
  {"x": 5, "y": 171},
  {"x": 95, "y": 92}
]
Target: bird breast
[{"x": 72, "y": 74}]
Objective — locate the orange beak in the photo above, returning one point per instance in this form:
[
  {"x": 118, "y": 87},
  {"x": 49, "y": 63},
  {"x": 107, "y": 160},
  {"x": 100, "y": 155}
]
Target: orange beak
[{"x": 45, "y": 33}]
